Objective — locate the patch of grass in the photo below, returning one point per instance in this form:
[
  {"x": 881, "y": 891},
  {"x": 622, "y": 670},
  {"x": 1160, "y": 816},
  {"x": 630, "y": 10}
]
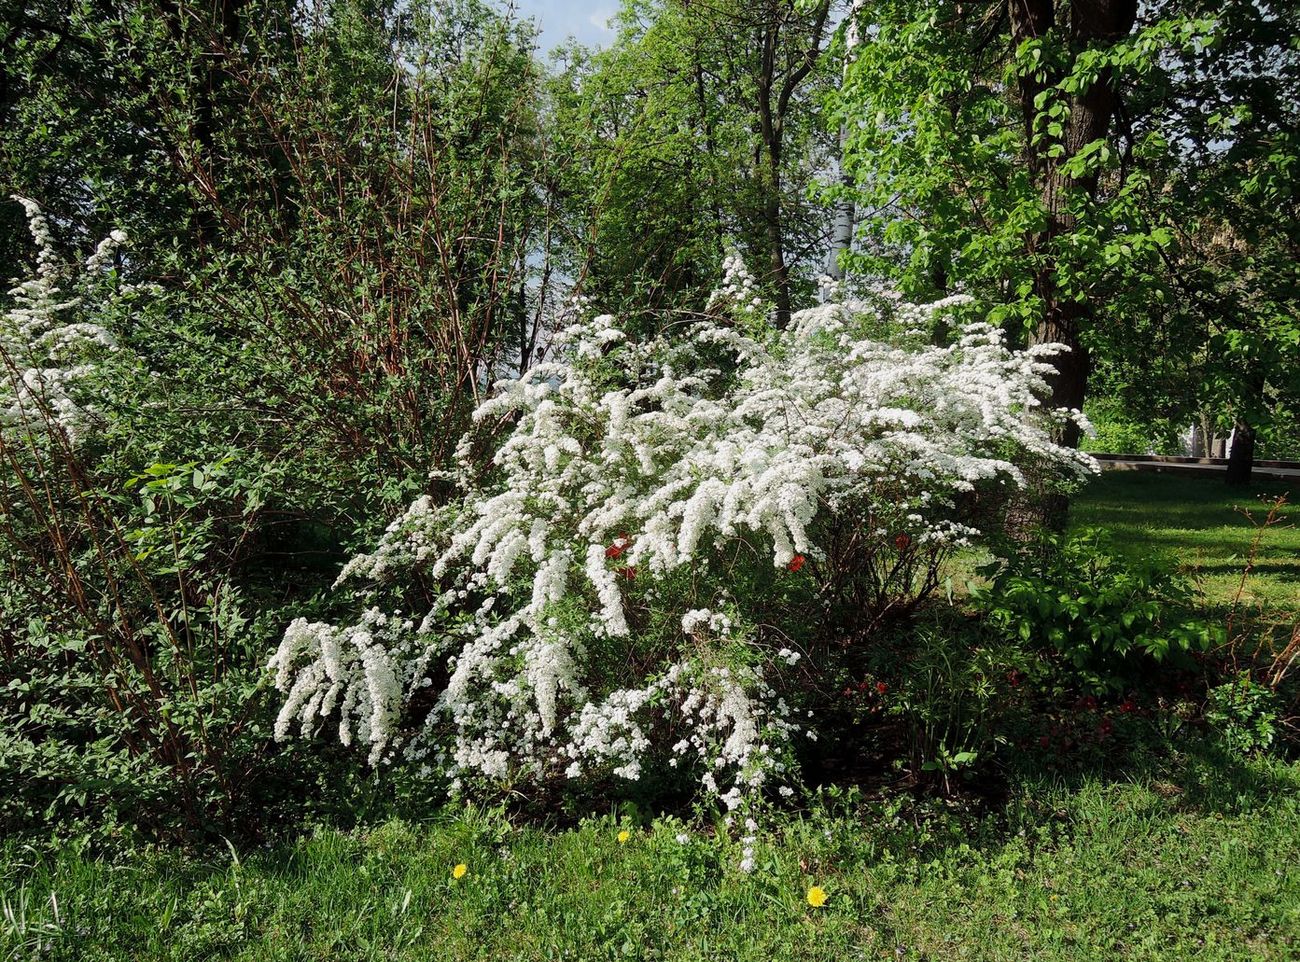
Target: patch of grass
[
  {"x": 1196, "y": 523},
  {"x": 1200, "y": 868}
]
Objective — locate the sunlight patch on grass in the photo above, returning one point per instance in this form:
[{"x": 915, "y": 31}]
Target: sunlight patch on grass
[{"x": 1197, "y": 523}]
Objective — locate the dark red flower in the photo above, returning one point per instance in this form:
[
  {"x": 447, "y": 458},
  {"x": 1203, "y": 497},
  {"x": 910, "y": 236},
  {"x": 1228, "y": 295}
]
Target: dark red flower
[
  {"x": 1105, "y": 727},
  {"x": 1087, "y": 703},
  {"x": 1127, "y": 706},
  {"x": 902, "y": 542},
  {"x": 1044, "y": 742},
  {"x": 1015, "y": 676},
  {"x": 848, "y": 692},
  {"x": 795, "y": 563},
  {"x": 881, "y": 688}
]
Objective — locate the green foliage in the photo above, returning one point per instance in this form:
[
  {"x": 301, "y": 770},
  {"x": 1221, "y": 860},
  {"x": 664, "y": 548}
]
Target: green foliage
[
  {"x": 943, "y": 682},
  {"x": 136, "y": 701},
  {"x": 1245, "y": 713},
  {"x": 1097, "y": 614},
  {"x": 302, "y": 322},
  {"x": 697, "y": 129},
  {"x": 1117, "y": 431},
  {"x": 1162, "y": 229}
]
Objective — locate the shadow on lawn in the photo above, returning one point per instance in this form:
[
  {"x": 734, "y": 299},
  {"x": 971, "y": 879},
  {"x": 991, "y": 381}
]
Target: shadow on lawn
[
  {"x": 1273, "y": 570},
  {"x": 1199, "y": 776}
]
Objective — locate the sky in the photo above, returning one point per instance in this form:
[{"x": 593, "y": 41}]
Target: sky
[{"x": 560, "y": 19}]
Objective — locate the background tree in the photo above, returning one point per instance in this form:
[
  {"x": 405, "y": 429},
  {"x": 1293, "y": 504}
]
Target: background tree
[
  {"x": 698, "y": 129},
  {"x": 1059, "y": 158},
  {"x": 332, "y": 228}
]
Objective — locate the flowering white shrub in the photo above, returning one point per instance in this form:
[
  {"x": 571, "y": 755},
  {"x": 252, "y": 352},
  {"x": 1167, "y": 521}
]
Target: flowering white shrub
[
  {"x": 662, "y": 526},
  {"x": 47, "y": 354}
]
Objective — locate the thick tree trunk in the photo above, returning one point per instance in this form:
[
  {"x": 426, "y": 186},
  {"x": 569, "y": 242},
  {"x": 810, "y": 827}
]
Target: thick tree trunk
[
  {"x": 1242, "y": 456},
  {"x": 1065, "y": 318}
]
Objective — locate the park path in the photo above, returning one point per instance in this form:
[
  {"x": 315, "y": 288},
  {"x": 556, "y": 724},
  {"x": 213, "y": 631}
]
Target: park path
[{"x": 1205, "y": 467}]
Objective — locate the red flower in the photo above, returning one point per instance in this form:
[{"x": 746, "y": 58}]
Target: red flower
[
  {"x": 881, "y": 688},
  {"x": 1044, "y": 742},
  {"x": 1127, "y": 706},
  {"x": 795, "y": 563},
  {"x": 614, "y": 550},
  {"x": 848, "y": 692},
  {"x": 902, "y": 542},
  {"x": 1105, "y": 727},
  {"x": 1015, "y": 676}
]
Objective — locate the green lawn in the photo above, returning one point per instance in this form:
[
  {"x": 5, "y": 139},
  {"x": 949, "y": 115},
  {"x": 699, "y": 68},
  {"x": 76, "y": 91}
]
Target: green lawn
[
  {"x": 1203, "y": 866},
  {"x": 1196, "y": 522}
]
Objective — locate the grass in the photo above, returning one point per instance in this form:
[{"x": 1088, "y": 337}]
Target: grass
[
  {"x": 1205, "y": 866},
  {"x": 1197, "y": 522}
]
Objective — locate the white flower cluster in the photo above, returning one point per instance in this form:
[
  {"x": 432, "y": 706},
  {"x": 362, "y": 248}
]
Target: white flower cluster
[
  {"x": 739, "y": 290},
  {"x": 348, "y": 670},
  {"x": 626, "y": 463},
  {"x": 47, "y": 355}
]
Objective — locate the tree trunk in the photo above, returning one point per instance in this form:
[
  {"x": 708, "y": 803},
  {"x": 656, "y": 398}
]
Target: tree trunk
[
  {"x": 777, "y": 268},
  {"x": 842, "y": 231},
  {"x": 776, "y": 87},
  {"x": 1242, "y": 456},
  {"x": 1065, "y": 317},
  {"x": 770, "y": 125}
]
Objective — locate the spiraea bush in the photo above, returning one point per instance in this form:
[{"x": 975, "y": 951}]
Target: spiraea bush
[{"x": 673, "y": 537}]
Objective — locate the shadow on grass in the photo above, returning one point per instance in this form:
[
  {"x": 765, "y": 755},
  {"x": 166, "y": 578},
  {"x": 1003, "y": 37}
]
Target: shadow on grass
[
  {"x": 1199, "y": 775},
  {"x": 1273, "y": 570}
]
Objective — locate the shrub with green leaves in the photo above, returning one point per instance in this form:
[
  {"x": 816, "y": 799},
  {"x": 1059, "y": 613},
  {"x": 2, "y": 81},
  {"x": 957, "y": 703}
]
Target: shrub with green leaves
[
  {"x": 1245, "y": 713},
  {"x": 135, "y": 607},
  {"x": 1098, "y": 616}
]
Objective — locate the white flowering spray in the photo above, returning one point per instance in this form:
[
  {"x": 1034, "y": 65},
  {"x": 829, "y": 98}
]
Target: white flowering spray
[
  {"x": 47, "y": 353},
  {"x": 664, "y": 526}
]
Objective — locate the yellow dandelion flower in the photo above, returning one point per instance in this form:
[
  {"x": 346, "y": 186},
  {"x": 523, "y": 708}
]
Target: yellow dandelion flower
[
  {"x": 460, "y": 870},
  {"x": 623, "y": 836},
  {"x": 816, "y": 896}
]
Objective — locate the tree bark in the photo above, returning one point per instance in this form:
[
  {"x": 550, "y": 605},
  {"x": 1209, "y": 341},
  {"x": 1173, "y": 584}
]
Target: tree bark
[
  {"x": 842, "y": 231},
  {"x": 776, "y": 87},
  {"x": 1092, "y": 23},
  {"x": 1065, "y": 315},
  {"x": 1242, "y": 456}
]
